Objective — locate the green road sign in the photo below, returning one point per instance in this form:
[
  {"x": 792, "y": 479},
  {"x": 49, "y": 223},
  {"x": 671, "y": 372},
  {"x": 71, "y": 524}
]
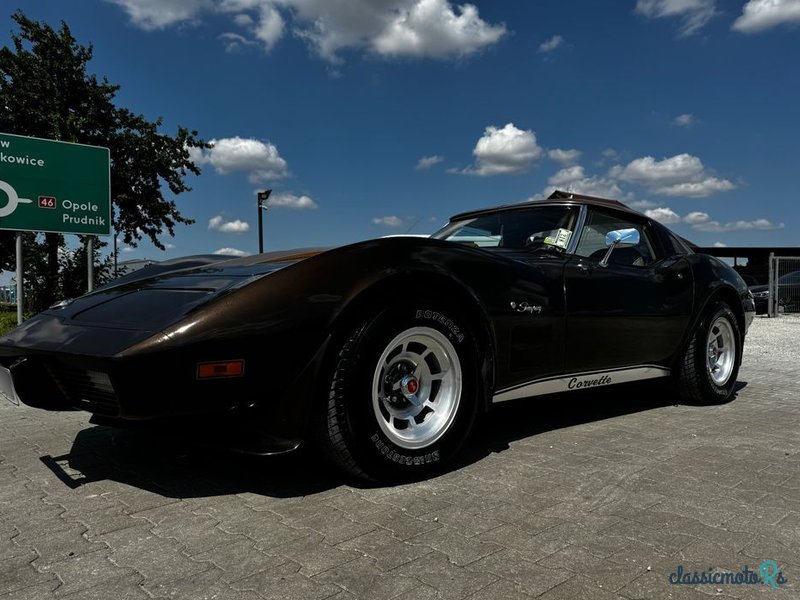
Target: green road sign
[{"x": 54, "y": 186}]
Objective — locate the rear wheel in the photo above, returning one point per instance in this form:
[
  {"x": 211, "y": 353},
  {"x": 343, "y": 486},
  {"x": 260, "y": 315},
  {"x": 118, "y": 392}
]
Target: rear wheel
[
  {"x": 711, "y": 363},
  {"x": 402, "y": 394}
]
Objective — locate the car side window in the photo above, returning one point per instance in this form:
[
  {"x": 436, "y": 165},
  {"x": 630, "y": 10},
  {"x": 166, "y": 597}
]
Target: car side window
[
  {"x": 790, "y": 278},
  {"x": 592, "y": 243},
  {"x": 524, "y": 229}
]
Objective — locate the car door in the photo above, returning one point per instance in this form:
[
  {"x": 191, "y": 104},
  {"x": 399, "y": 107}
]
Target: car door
[
  {"x": 523, "y": 286},
  {"x": 632, "y": 311},
  {"x": 531, "y": 327}
]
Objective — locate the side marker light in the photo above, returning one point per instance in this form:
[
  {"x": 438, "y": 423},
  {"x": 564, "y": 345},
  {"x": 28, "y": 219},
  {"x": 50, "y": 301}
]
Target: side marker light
[{"x": 224, "y": 368}]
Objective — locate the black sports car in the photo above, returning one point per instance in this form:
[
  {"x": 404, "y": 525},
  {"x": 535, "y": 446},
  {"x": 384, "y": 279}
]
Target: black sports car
[{"x": 387, "y": 352}]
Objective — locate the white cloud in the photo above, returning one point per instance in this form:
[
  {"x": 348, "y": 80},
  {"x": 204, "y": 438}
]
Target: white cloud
[
  {"x": 231, "y": 252},
  {"x": 416, "y": 28},
  {"x": 696, "y": 189},
  {"x": 574, "y": 179},
  {"x": 680, "y": 175},
  {"x": 664, "y": 215},
  {"x": 433, "y": 28},
  {"x": 506, "y": 151},
  {"x": 717, "y": 227},
  {"x": 269, "y": 27},
  {"x": 567, "y": 176},
  {"x": 684, "y": 120},
  {"x": 695, "y": 218},
  {"x": 260, "y": 160},
  {"x": 642, "y": 204},
  {"x": 649, "y": 171},
  {"x": 610, "y": 153},
  {"x": 234, "y": 42},
  {"x": 565, "y": 157},
  {"x": 128, "y": 249},
  {"x": 760, "y": 15},
  {"x": 551, "y": 44},
  {"x": 720, "y": 245},
  {"x": 391, "y": 221},
  {"x": 244, "y": 20},
  {"x": 260, "y": 18},
  {"x": 426, "y": 162},
  {"x": 285, "y": 200},
  {"x": 694, "y": 13},
  {"x": 701, "y": 221},
  {"x": 219, "y": 224},
  {"x": 158, "y": 14}
]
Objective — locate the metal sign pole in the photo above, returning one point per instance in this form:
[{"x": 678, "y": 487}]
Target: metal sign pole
[
  {"x": 115, "y": 240},
  {"x": 262, "y": 205},
  {"x": 20, "y": 295},
  {"x": 260, "y": 228},
  {"x": 771, "y": 292},
  {"x": 90, "y": 262}
]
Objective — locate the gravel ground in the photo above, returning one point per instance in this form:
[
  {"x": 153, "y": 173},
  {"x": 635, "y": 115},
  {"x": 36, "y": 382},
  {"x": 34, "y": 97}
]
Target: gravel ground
[{"x": 774, "y": 340}]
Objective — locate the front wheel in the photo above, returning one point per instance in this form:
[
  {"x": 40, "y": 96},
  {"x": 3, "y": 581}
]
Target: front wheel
[
  {"x": 402, "y": 397},
  {"x": 711, "y": 363}
]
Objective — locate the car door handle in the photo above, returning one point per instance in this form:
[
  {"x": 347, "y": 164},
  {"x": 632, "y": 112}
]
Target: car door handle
[{"x": 585, "y": 267}]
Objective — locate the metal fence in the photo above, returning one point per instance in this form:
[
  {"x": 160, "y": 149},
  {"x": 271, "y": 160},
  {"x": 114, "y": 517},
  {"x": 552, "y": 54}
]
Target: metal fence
[{"x": 784, "y": 285}]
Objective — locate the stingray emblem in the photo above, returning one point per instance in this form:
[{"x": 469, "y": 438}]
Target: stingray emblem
[
  {"x": 13, "y": 199},
  {"x": 524, "y": 307}
]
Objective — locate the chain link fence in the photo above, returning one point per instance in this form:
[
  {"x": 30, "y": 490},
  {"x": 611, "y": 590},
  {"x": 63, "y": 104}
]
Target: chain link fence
[{"x": 784, "y": 285}]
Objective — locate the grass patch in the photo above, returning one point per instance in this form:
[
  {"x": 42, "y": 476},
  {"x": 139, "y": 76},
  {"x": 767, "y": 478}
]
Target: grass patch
[{"x": 8, "y": 321}]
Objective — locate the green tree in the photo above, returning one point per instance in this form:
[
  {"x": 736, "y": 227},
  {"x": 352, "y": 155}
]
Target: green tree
[
  {"x": 46, "y": 91},
  {"x": 73, "y": 268}
]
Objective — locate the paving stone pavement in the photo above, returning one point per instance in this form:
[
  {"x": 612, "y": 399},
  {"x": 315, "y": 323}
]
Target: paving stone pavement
[{"x": 600, "y": 495}]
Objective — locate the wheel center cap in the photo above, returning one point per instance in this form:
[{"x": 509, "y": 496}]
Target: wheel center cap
[{"x": 409, "y": 385}]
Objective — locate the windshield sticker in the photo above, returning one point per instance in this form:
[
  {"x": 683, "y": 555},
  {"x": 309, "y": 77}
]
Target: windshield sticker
[{"x": 560, "y": 239}]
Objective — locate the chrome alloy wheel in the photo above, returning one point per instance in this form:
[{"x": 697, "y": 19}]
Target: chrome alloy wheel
[
  {"x": 417, "y": 387},
  {"x": 721, "y": 351}
]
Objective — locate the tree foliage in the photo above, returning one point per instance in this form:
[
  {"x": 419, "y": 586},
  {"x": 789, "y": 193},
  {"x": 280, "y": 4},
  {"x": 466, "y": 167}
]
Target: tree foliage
[{"x": 46, "y": 91}]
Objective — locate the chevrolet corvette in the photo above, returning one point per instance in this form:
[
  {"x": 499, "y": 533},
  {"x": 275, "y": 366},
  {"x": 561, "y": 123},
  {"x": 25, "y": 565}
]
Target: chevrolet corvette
[{"x": 387, "y": 353}]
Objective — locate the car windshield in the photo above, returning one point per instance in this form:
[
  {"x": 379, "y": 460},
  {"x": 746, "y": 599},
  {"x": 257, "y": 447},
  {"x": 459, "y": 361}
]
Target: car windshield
[
  {"x": 530, "y": 228},
  {"x": 793, "y": 277}
]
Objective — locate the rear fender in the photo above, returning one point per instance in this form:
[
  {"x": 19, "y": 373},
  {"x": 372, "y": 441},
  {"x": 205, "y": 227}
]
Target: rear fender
[{"x": 721, "y": 292}]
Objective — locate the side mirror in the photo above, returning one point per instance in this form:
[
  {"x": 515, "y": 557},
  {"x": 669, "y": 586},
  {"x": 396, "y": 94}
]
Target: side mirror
[
  {"x": 619, "y": 238},
  {"x": 622, "y": 238}
]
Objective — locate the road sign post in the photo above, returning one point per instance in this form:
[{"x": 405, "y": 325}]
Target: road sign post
[
  {"x": 20, "y": 287},
  {"x": 51, "y": 186}
]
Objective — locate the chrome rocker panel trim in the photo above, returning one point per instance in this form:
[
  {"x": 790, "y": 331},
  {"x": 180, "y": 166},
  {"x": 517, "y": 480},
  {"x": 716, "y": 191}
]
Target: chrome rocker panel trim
[{"x": 578, "y": 381}]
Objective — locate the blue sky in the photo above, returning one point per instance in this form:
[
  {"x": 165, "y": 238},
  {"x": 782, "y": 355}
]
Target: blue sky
[{"x": 374, "y": 117}]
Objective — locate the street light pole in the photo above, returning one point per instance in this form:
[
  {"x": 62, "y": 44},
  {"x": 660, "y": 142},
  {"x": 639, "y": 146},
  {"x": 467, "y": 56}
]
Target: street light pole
[{"x": 262, "y": 199}]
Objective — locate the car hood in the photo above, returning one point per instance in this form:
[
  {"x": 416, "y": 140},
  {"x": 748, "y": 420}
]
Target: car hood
[
  {"x": 133, "y": 308},
  {"x": 758, "y": 288}
]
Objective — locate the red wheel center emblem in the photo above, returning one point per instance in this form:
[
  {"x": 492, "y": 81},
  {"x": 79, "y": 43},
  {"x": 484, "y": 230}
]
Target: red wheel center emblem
[{"x": 412, "y": 386}]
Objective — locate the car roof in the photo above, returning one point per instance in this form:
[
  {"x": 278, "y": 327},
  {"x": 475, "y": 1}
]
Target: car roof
[{"x": 557, "y": 198}]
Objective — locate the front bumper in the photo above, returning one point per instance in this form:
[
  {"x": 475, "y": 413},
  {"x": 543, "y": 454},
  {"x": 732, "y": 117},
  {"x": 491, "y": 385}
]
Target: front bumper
[
  {"x": 126, "y": 389},
  {"x": 132, "y": 394}
]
